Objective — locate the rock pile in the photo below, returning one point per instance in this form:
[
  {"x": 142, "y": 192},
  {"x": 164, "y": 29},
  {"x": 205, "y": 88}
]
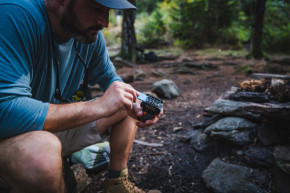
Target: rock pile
[{"x": 255, "y": 119}]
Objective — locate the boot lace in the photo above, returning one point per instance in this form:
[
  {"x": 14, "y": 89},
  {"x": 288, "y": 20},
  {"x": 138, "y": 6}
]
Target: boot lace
[{"x": 130, "y": 186}]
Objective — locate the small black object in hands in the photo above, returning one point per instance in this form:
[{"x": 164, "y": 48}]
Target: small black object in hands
[{"x": 151, "y": 106}]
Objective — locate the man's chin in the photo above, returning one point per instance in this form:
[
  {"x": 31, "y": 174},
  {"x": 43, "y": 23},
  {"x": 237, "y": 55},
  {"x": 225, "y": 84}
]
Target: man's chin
[{"x": 88, "y": 39}]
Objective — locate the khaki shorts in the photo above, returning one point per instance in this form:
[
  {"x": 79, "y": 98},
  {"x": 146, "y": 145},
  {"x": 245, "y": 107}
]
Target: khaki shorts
[{"x": 78, "y": 138}]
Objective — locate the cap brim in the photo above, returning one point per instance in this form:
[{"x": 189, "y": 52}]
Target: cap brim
[{"x": 116, "y": 4}]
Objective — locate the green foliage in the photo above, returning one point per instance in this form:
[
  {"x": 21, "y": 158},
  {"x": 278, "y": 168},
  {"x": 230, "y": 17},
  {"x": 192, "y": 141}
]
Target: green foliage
[
  {"x": 238, "y": 33},
  {"x": 112, "y": 18},
  {"x": 235, "y": 35},
  {"x": 277, "y": 26},
  {"x": 198, "y": 23},
  {"x": 146, "y": 5},
  {"x": 153, "y": 30}
]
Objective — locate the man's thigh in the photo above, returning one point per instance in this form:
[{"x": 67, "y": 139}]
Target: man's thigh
[{"x": 78, "y": 138}]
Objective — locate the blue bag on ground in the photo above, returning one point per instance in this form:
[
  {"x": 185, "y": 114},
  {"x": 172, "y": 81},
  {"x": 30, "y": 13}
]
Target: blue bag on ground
[{"x": 93, "y": 157}]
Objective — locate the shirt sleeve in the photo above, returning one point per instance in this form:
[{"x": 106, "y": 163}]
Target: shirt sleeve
[
  {"x": 102, "y": 70},
  {"x": 19, "y": 113}
]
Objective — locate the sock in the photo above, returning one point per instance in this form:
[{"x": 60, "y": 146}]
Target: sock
[{"x": 113, "y": 173}]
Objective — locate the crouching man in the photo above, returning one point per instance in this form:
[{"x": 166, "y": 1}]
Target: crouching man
[{"x": 50, "y": 50}]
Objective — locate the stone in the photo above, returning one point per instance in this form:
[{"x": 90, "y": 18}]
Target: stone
[
  {"x": 207, "y": 121},
  {"x": 280, "y": 181},
  {"x": 259, "y": 176},
  {"x": 159, "y": 73},
  {"x": 230, "y": 124},
  {"x": 282, "y": 157},
  {"x": 250, "y": 97},
  {"x": 263, "y": 75},
  {"x": 239, "y": 138},
  {"x": 250, "y": 110},
  {"x": 186, "y": 137},
  {"x": 269, "y": 135},
  {"x": 237, "y": 130},
  {"x": 81, "y": 176},
  {"x": 222, "y": 177},
  {"x": 150, "y": 56},
  {"x": 166, "y": 89},
  {"x": 139, "y": 75},
  {"x": 259, "y": 157},
  {"x": 231, "y": 108},
  {"x": 280, "y": 89},
  {"x": 199, "y": 141}
]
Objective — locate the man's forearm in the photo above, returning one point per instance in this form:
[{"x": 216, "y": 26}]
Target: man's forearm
[{"x": 66, "y": 116}]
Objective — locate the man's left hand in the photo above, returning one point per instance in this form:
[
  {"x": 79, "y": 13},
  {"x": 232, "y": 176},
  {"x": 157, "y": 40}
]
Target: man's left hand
[{"x": 137, "y": 112}]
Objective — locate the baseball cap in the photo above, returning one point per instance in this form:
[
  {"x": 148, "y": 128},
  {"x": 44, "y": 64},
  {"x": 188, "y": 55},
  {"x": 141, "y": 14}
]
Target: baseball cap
[{"x": 116, "y": 4}]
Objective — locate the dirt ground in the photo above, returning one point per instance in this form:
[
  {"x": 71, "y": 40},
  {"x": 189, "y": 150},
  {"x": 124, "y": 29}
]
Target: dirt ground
[{"x": 176, "y": 167}]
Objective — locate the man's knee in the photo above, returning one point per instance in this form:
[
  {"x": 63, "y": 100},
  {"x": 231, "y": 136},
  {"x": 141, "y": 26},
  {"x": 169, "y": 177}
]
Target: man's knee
[
  {"x": 41, "y": 151},
  {"x": 105, "y": 123},
  {"x": 35, "y": 156}
]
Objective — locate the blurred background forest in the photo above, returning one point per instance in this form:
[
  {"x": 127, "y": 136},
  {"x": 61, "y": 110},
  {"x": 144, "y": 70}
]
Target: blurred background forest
[{"x": 199, "y": 24}]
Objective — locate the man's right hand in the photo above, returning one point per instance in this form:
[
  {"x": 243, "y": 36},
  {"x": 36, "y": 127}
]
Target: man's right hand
[{"x": 118, "y": 96}]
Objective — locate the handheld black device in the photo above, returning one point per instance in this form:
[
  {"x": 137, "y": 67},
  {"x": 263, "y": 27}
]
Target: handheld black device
[{"x": 151, "y": 106}]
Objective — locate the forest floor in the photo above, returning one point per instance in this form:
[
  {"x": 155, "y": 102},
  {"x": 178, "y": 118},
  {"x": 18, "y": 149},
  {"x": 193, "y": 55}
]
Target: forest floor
[{"x": 175, "y": 166}]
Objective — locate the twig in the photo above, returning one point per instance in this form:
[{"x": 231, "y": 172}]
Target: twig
[{"x": 147, "y": 144}]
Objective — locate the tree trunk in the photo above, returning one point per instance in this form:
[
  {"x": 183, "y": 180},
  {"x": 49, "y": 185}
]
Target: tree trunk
[
  {"x": 129, "y": 42},
  {"x": 257, "y": 30}
]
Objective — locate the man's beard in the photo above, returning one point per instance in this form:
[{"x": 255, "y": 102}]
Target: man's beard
[{"x": 71, "y": 26}]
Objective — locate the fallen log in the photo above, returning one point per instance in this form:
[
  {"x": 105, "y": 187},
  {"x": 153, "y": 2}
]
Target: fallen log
[{"x": 204, "y": 65}]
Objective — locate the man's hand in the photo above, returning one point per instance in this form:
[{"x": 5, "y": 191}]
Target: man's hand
[
  {"x": 118, "y": 96},
  {"x": 137, "y": 112}
]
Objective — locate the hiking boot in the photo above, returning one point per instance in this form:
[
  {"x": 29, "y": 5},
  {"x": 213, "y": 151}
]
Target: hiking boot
[{"x": 121, "y": 184}]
